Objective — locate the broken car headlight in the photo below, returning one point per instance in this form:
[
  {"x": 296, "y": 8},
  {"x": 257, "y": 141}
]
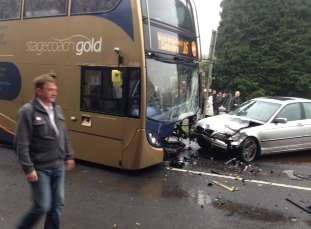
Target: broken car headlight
[{"x": 237, "y": 137}]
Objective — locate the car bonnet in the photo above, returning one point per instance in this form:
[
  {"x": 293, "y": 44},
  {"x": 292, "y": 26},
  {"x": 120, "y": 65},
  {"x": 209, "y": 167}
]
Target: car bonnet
[{"x": 225, "y": 123}]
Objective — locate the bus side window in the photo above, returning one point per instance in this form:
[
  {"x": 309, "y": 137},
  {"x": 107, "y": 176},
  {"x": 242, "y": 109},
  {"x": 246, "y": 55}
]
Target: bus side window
[
  {"x": 10, "y": 9},
  {"x": 99, "y": 94},
  {"x": 45, "y": 8},
  {"x": 91, "y": 90},
  {"x": 103, "y": 92},
  {"x": 92, "y": 6}
]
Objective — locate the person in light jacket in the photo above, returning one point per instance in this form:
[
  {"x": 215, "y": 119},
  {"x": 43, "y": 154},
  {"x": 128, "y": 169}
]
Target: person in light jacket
[{"x": 209, "y": 108}]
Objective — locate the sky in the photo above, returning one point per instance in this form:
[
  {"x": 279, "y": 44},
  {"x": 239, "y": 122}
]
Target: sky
[{"x": 209, "y": 17}]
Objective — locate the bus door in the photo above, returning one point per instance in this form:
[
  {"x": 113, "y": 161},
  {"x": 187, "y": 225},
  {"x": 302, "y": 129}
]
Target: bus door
[{"x": 109, "y": 114}]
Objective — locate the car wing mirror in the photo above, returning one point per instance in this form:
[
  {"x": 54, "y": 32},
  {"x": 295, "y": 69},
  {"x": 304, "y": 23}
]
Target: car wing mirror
[{"x": 280, "y": 120}]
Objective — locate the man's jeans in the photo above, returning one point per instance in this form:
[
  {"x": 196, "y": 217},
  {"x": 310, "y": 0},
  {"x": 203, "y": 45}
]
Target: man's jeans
[{"x": 48, "y": 198}]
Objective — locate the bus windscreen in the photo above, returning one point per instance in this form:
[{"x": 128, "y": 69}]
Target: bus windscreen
[{"x": 171, "y": 91}]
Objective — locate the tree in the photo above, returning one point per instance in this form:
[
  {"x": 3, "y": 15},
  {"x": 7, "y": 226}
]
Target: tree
[{"x": 264, "y": 48}]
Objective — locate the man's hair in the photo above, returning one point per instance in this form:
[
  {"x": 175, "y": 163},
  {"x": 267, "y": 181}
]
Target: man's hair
[{"x": 41, "y": 80}]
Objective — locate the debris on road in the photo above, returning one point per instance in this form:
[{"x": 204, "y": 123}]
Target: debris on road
[
  {"x": 177, "y": 163},
  {"x": 254, "y": 169},
  {"x": 293, "y": 219},
  {"x": 304, "y": 177},
  {"x": 173, "y": 148},
  {"x": 230, "y": 161},
  {"x": 215, "y": 172},
  {"x": 242, "y": 167},
  {"x": 302, "y": 207},
  {"x": 231, "y": 189},
  {"x": 187, "y": 159},
  {"x": 194, "y": 155},
  {"x": 291, "y": 175}
]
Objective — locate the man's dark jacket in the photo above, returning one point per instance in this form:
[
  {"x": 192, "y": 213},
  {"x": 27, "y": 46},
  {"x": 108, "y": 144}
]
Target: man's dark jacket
[
  {"x": 236, "y": 102},
  {"x": 36, "y": 143}
]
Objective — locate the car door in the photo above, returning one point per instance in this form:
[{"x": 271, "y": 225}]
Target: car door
[
  {"x": 279, "y": 137},
  {"x": 307, "y": 124}
]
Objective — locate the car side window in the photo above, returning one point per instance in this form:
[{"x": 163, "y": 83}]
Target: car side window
[
  {"x": 291, "y": 112},
  {"x": 307, "y": 110}
]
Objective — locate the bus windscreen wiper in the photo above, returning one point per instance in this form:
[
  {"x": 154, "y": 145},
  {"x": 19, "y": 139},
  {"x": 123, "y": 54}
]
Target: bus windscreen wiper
[{"x": 170, "y": 60}]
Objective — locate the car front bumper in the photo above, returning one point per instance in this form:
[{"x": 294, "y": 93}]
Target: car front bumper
[{"x": 222, "y": 142}]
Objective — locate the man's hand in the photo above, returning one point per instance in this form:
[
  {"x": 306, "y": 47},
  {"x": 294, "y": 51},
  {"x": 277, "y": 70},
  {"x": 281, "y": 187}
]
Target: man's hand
[
  {"x": 32, "y": 176},
  {"x": 70, "y": 164}
]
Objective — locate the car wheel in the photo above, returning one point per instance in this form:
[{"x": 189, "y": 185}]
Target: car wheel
[
  {"x": 249, "y": 149},
  {"x": 203, "y": 143}
]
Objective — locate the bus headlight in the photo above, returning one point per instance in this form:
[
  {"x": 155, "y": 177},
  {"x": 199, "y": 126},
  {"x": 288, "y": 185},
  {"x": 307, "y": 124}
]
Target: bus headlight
[{"x": 153, "y": 140}]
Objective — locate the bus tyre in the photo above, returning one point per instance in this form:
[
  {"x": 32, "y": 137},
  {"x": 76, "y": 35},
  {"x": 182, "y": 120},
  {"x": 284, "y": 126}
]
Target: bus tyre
[
  {"x": 203, "y": 144},
  {"x": 249, "y": 150}
]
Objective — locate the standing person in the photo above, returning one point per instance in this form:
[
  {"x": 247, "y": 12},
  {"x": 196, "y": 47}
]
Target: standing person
[
  {"x": 227, "y": 97},
  {"x": 209, "y": 108},
  {"x": 236, "y": 101},
  {"x": 217, "y": 102},
  {"x": 214, "y": 94},
  {"x": 44, "y": 151}
]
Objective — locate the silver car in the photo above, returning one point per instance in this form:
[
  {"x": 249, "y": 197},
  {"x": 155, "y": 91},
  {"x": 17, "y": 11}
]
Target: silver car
[{"x": 259, "y": 126}]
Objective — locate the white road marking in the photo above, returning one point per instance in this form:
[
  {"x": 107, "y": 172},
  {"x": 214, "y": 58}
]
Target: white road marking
[{"x": 241, "y": 179}]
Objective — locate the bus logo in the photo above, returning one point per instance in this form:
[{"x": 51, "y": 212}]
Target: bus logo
[
  {"x": 89, "y": 46},
  {"x": 78, "y": 44}
]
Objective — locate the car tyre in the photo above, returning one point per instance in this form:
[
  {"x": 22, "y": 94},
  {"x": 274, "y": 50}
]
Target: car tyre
[{"x": 249, "y": 149}]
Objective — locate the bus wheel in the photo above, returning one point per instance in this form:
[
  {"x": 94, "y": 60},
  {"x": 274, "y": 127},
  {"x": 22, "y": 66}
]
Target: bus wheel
[{"x": 249, "y": 149}]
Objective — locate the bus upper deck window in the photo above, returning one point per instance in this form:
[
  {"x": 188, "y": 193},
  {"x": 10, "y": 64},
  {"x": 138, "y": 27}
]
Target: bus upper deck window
[
  {"x": 10, "y": 9},
  {"x": 177, "y": 13},
  {"x": 92, "y": 6},
  {"x": 45, "y": 8}
]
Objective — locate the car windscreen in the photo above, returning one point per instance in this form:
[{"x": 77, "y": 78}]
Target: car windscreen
[{"x": 257, "y": 110}]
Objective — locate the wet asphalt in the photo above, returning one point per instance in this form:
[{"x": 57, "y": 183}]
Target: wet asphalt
[{"x": 98, "y": 197}]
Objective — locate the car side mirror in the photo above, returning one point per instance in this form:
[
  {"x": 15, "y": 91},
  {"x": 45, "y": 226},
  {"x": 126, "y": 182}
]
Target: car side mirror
[{"x": 280, "y": 120}]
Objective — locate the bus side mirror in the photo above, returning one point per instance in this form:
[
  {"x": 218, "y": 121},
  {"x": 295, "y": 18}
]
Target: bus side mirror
[{"x": 120, "y": 57}]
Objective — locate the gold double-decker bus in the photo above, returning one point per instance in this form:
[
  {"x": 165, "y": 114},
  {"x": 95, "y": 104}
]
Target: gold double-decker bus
[{"x": 127, "y": 71}]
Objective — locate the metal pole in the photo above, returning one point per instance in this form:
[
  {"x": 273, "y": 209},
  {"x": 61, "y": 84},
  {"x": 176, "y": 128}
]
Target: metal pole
[
  {"x": 149, "y": 25},
  {"x": 211, "y": 59}
]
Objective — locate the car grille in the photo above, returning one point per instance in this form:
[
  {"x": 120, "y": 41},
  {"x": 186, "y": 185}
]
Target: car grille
[
  {"x": 208, "y": 132},
  {"x": 201, "y": 130}
]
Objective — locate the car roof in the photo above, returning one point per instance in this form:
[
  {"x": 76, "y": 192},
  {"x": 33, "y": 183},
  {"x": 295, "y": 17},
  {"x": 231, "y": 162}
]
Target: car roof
[{"x": 282, "y": 100}]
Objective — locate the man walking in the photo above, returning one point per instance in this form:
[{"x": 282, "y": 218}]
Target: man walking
[{"x": 44, "y": 151}]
